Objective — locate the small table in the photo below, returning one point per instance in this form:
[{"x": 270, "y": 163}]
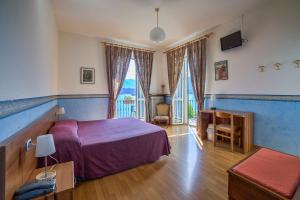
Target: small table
[{"x": 64, "y": 182}]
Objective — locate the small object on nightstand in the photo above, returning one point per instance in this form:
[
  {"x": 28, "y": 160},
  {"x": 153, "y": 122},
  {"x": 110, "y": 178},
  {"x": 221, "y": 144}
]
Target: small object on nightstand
[
  {"x": 64, "y": 182},
  {"x": 35, "y": 189}
]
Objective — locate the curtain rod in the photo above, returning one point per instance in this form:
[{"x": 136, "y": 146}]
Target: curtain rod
[
  {"x": 187, "y": 43},
  {"x": 126, "y": 47}
]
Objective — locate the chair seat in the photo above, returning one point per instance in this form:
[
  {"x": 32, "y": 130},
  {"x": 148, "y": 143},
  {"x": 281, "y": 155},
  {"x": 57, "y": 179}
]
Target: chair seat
[
  {"x": 224, "y": 127},
  {"x": 161, "y": 118}
]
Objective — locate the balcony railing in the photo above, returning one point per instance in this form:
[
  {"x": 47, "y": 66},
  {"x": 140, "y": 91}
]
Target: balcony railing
[{"x": 126, "y": 108}]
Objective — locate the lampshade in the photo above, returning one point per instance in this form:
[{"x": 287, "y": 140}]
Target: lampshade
[
  {"x": 61, "y": 111},
  {"x": 157, "y": 34},
  {"x": 44, "y": 145}
]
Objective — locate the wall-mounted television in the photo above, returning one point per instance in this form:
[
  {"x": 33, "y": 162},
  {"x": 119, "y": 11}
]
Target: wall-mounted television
[{"x": 231, "y": 41}]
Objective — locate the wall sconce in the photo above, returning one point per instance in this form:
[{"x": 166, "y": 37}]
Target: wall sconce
[
  {"x": 261, "y": 68},
  {"x": 277, "y": 66},
  {"x": 297, "y": 62}
]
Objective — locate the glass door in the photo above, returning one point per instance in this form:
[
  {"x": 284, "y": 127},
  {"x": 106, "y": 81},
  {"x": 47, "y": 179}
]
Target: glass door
[
  {"x": 191, "y": 102},
  {"x": 185, "y": 105},
  {"x": 179, "y": 99}
]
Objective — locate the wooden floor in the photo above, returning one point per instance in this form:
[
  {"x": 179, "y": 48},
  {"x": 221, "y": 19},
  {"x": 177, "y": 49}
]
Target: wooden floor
[{"x": 194, "y": 170}]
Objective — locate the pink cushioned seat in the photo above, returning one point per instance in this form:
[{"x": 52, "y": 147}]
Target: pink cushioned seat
[{"x": 276, "y": 171}]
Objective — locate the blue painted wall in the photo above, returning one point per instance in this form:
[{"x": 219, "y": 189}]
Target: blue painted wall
[
  {"x": 276, "y": 123},
  {"x": 90, "y": 108},
  {"x": 84, "y": 109},
  {"x": 11, "y": 124}
]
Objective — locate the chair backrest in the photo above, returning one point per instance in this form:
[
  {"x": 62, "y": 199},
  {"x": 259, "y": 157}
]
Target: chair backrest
[
  {"x": 162, "y": 109},
  {"x": 222, "y": 115}
]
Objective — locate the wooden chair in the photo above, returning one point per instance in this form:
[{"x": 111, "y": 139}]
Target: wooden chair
[
  {"x": 224, "y": 129},
  {"x": 163, "y": 114}
]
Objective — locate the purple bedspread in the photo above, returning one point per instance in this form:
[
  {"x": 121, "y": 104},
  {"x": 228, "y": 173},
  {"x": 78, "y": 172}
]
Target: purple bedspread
[{"x": 110, "y": 146}]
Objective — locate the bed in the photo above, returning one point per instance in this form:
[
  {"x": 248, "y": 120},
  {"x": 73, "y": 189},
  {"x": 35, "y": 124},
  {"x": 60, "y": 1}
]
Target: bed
[
  {"x": 265, "y": 175},
  {"x": 103, "y": 147}
]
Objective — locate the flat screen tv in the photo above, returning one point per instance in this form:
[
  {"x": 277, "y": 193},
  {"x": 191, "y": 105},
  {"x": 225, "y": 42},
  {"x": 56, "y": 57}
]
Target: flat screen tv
[{"x": 231, "y": 41}]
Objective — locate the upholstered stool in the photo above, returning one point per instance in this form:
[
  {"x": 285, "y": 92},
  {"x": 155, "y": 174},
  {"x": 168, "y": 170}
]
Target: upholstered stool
[{"x": 265, "y": 175}]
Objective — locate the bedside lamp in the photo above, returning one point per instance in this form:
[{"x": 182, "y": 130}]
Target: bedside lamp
[
  {"x": 45, "y": 147},
  {"x": 61, "y": 111}
]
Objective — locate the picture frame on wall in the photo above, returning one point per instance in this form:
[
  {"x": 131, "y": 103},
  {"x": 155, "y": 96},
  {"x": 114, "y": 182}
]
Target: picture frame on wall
[
  {"x": 221, "y": 70},
  {"x": 87, "y": 75}
]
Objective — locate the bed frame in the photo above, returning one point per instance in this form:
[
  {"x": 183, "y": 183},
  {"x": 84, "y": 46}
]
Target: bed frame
[
  {"x": 242, "y": 188},
  {"x": 16, "y": 165}
]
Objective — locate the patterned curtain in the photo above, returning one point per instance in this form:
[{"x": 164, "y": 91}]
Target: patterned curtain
[
  {"x": 174, "y": 63},
  {"x": 143, "y": 61},
  {"x": 196, "y": 52},
  {"x": 117, "y": 63}
]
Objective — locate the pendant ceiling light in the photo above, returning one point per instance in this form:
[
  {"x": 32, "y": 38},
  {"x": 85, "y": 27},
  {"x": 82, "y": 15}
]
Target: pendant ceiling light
[{"x": 157, "y": 34}]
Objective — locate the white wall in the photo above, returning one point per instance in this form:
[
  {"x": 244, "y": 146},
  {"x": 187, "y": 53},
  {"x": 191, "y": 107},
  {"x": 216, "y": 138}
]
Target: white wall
[
  {"x": 28, "y": 50},
  {"x": 273, "y": 32},
  {"x": 28, "y": 54},
  {"x": 76, "y": 51},
  {"x": 159, "y": 74}
]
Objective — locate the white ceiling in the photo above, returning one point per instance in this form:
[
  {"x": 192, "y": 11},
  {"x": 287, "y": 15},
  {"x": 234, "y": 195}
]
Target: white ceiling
[{"x": 132, "y": 20}]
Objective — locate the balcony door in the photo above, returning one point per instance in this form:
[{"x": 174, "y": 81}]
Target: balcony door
[
  {"x": 184, "y": 103},
  {"x": 179, "y": 99},
  {"x": 131, "y": 101}
]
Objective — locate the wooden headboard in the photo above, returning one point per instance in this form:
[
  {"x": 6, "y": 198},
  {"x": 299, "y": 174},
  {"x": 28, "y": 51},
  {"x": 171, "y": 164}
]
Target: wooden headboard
[{"x": 16, "y": 164}]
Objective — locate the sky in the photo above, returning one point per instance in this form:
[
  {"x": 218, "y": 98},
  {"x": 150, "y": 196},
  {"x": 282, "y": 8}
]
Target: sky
[{"x": 131, "y": 70}]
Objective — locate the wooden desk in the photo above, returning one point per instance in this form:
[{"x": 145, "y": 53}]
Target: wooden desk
[
  {"x": 247, "y": 125},
  {"x": 64, "y": 182}
]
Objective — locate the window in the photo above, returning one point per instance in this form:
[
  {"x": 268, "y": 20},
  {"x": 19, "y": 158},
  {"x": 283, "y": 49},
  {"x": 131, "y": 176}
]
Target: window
[{"x": 131, "y": 101}]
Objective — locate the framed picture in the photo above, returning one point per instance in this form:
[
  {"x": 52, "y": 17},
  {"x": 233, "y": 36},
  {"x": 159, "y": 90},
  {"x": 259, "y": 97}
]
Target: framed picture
[
  {"x": 221, "y": 70},
  {"x": 87, "y": 75}
]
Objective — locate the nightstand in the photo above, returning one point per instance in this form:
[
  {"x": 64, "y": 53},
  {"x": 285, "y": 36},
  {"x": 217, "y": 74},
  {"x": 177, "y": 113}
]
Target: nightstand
[{"x": 64, "y": 182}]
